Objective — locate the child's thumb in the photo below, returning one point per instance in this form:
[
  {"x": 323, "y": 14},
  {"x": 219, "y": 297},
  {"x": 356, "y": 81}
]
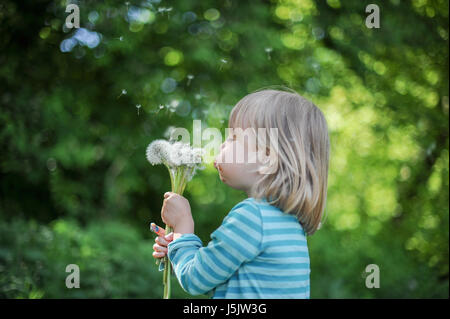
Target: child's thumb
[
  {"x": 169, "y": 237},
  {"x": 167, "y": 194}
]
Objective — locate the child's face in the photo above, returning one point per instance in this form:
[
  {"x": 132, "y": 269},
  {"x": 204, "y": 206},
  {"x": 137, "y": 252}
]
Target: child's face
[{"x": 241, "y": 170}]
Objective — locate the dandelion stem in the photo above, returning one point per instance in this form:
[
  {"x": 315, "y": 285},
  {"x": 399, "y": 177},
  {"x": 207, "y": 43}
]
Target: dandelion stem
[
  {"x": 166, "y": 275},
  {"x": 181, "y": 170},
  {"x": 176, "y": 179}
]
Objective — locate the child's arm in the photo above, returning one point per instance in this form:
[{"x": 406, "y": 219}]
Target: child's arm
[{"x": 238, "y": 240}]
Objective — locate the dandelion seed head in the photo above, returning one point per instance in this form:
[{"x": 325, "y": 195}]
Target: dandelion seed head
[
  {"x": 190, "y": 76},
  {"x": 124, "y": 91},
  {"x": 198, "y": 154},
  {"x": 177, "y": 153},
  {"x": 158, "y": 152},
  {"x": 184, "y": 155}
]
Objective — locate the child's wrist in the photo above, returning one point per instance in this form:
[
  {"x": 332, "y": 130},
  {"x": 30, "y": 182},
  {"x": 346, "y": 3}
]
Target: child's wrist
[
  {"x": 184, "y": 228},
  {"x": 177, "y": 235}
]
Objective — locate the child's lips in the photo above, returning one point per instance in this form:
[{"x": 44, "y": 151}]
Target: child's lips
[
  {"x": 220, "y": 170},
  {"x": 217, "y": 166}
]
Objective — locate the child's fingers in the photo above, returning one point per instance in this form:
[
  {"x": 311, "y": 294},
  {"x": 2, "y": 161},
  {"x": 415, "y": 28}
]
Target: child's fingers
[
  {"x": 160, "y": 249},
  {"x": 169, "y": 237},
  {"x": 157, "y": 229},
  {"x": 158, "y": 254},
  {"x": 167, "y": 194},
  {"x": 161, "y": 241}
]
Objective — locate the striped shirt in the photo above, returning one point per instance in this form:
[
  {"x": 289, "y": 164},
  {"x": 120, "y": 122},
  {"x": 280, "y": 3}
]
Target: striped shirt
[{"x": 258, "y": 252}]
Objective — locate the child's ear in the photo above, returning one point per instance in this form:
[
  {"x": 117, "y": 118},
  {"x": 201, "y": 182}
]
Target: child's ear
[{"x": 270, "y": 164}]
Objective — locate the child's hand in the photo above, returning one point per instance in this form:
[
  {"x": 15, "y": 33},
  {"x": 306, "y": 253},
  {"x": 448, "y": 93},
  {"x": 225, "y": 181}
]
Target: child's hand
[
  {"x": 160, "y": 248},
  {"x": 176, "y": 212}
]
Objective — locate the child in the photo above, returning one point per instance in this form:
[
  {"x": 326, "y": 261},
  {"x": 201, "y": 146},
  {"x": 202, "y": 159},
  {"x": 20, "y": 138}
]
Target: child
[{"x": 260, "y": 250}]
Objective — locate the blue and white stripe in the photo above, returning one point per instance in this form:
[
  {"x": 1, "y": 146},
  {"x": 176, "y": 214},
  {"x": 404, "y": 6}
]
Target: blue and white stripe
[{"x": 258, "y": 252}]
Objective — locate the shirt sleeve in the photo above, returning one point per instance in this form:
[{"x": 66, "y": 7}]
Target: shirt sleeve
[{"x": 238, "y": 240}]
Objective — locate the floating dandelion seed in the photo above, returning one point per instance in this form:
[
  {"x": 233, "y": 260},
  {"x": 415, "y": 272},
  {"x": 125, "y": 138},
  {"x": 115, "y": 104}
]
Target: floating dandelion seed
[
  {"x": 161, "y": 106},
  {"x": 164, "y": 9},
  {"x": 223, "y": 63},
  {"x": 158, "y": 108},
  {"x": 124, "y": 92},
  {"x": 199, "y": 96},
  {"x": 120, "y": 38},
  {"x": 138, "y": 106},
  {"x": 127, "y": 4},
  {"x": 268, "y": 50},
  {"x": 168, "y": 12},
  {"x": 190, "y": 77}
]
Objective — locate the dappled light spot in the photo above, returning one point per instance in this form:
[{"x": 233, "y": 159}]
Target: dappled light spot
[
  {"x": 168, "y": 85},
  {"x": 189, "y": 17},
  {"x": 93, "y": 16},
  {"x": 173, "y": 57},
  {"x": 82, "y": 37},
  {"x": 211, "y": 14}
]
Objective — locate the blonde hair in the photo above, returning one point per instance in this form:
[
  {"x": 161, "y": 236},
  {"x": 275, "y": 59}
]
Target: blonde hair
[{"x": 299, "y": 184}]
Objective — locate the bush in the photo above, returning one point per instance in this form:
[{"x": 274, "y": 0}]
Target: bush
[{"x": 114, "y": 261}]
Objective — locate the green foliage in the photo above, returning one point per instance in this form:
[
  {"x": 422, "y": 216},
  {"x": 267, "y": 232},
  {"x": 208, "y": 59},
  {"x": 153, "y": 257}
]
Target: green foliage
[
  {"x": 114, "y": 261},
  {"x": 75, "y": 186}
]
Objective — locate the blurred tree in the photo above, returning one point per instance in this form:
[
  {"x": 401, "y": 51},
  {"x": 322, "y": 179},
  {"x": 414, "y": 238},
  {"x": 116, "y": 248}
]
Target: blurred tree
[{"x": 73, "y": 138}]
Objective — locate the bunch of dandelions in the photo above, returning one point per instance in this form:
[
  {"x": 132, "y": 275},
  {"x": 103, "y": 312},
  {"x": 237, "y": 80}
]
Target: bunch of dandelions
[{"x": 182, "y": 161}]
